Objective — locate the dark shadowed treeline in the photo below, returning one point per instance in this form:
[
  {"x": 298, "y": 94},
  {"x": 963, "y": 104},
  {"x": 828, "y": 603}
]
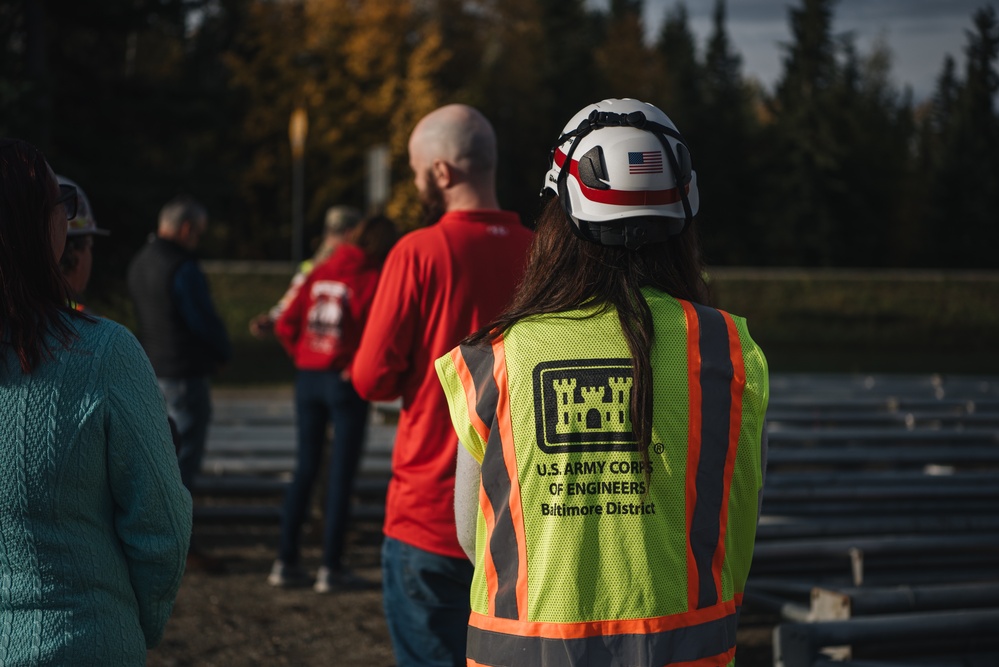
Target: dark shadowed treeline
[{"x": 836, "y": 166}]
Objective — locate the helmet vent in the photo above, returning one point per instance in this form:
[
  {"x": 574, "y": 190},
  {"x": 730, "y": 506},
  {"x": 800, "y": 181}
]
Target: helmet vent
[
  {"x": 683, "y": 161},
  {"x": 593, "y": 169}
]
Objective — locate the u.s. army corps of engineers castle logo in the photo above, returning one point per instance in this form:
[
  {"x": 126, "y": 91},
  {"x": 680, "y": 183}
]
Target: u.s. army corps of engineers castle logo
[{"x": 584, "y": 405}]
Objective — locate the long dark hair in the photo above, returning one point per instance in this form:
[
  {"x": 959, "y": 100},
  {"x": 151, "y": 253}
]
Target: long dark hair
[
  {"x": 565, "y": 272},
  {"x": 375, "y": 235},
  {"x": 33, "y": 291}
]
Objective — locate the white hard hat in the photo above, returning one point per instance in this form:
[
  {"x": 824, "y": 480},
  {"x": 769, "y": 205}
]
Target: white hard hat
[{"x": 626, "y": 161}]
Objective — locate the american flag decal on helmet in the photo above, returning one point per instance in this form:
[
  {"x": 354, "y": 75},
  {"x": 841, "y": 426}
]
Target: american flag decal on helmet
[{"x": 645, "y": 162}]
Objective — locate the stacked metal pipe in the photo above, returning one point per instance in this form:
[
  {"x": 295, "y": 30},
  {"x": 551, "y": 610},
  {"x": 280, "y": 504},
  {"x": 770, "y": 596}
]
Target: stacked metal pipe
[{"x": 879, "y": 538}]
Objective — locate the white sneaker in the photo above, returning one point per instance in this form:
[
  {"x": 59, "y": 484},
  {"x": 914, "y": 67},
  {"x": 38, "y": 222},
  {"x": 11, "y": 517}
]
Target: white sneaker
[
  {"x": 288, "y": 576},
  {"x": 323, "y": 581},
  {"x": 328, "y": 581}
]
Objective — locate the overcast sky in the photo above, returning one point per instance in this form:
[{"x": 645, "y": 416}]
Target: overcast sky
[{"x": 919, "y": 32}]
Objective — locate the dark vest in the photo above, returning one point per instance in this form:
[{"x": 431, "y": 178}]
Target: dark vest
[{"x": 172, "y": 348}]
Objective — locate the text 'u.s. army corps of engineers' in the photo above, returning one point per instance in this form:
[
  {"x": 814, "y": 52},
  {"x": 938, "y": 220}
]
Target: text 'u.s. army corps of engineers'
[{"x": 566, "y": 488}]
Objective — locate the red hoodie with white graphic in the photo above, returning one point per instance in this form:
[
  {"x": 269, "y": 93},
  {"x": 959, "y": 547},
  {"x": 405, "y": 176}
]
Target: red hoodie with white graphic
[{"x": 322, "y": 326}]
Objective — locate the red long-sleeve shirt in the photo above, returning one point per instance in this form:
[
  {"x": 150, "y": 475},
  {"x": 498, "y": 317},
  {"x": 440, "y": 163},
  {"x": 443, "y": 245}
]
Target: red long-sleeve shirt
[
  {"x": 439, "y": 284},
  {"x": 322, "y": 325}
]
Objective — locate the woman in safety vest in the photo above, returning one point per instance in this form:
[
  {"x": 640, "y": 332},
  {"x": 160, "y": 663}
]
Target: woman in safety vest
[{"x": 608, "y": 485}]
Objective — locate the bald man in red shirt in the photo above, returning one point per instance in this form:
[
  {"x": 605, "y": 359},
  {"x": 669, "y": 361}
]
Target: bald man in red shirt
[{"x": 438, "y": 285}]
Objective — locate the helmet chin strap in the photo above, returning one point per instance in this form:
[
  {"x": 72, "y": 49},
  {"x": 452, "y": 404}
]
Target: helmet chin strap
[{"x": 630, "y": 236}]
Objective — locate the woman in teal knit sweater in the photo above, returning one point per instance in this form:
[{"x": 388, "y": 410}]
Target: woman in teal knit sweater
[{"x": 94, "y": 521}]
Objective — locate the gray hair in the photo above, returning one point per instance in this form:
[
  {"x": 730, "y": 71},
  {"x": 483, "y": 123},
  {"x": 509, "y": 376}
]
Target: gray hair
[{"x": 179, "y": 210}]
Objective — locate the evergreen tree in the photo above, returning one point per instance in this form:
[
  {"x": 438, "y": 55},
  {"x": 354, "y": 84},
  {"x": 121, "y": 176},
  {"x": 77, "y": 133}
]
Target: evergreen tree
[
  {"x": 723, "y": 155},
  {"x": 921, "y": 211},
  {"x": 874, "y": 122},
  {"x": 509, "y": 89},
  {"x": 945, "y": 97},
  {"x": 537, "y": 69},
  {"x": 964, "y": 193},
  {"x": 801, "y": 166},
  {"x": 568, "y": 64},
  {"x": 676, "y": 73},
  {"x": 623, "y": 59},
  {"x": 25, "y": 79},
  {"x": 465, "y": 30},
  {"x": 123, "y": 98}
]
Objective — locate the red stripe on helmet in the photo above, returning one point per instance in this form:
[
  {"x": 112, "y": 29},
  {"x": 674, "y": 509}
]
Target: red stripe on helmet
[{"x": 621, "y": 197}]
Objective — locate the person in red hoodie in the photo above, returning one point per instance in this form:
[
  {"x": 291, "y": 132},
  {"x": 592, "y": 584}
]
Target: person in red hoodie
[
  {"x": 440, "y": 283},
  {"x": 321, "y": 329}
]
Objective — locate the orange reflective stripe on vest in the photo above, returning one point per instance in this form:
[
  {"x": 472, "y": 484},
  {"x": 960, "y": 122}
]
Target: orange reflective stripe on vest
[
  {"x": 691, "y": 638},
  {"x": 716, "y": 378},
  {"x": 506, "y": 553}
]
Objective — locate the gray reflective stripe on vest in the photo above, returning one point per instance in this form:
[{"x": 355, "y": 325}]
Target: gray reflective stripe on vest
[
  {"x": 716, "y": 402},
  {"x": 480, "y": 361},
  {"x": 640, "y": 650},
  {"x": 496, "y": 482}
]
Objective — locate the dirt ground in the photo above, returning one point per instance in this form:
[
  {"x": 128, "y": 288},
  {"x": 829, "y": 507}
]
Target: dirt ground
[{"x": 236, "y": 620}]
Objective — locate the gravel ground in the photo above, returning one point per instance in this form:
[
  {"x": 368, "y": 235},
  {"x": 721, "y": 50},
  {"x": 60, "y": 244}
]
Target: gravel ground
[{"x": 236, "y": 620}]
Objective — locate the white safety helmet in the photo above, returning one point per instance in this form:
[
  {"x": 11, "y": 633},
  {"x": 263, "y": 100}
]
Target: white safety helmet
[{"x": 629, "y": 180}]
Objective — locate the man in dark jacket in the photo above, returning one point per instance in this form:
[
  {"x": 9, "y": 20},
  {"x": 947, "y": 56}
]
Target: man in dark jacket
[{"x": 179, "y": 328}]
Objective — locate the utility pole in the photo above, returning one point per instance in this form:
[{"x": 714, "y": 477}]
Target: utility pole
[
  {"x": 298, "y": 128},
  {"x": 378, "y": 181}
]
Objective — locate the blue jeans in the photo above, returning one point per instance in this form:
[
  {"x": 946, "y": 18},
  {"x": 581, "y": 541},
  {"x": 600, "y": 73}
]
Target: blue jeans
[
  {"x": 322, "y": 397},
  {"x": 189, "y": 404},
  {"x": 426, "y": 598}
]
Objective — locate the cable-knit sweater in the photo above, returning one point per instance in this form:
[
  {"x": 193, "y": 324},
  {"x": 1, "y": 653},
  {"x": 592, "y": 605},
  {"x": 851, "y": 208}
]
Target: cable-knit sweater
[{"x": 94, "y": 521}]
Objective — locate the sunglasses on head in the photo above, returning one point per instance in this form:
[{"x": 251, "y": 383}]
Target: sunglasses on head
[{"x": 68, "y": 199}]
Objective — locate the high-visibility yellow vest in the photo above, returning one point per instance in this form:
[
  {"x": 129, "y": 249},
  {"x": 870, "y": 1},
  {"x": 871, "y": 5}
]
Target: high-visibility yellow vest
[{"x": 585, "y": 553}]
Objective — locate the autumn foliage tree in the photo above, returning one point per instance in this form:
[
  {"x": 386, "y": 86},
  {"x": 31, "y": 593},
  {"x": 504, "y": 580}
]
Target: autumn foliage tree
[
  {"x": 834, "y": 166},
  {"x": 363, "y": 71}
]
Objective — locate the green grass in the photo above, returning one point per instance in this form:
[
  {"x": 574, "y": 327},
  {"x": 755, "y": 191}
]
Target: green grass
[
  {"x": 833, "y": 321},
  {"x": 815, "y": 321}
]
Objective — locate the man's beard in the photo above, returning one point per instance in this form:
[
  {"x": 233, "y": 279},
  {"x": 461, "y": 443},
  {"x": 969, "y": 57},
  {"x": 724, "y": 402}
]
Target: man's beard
[{"x": 432, "y": 201}]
